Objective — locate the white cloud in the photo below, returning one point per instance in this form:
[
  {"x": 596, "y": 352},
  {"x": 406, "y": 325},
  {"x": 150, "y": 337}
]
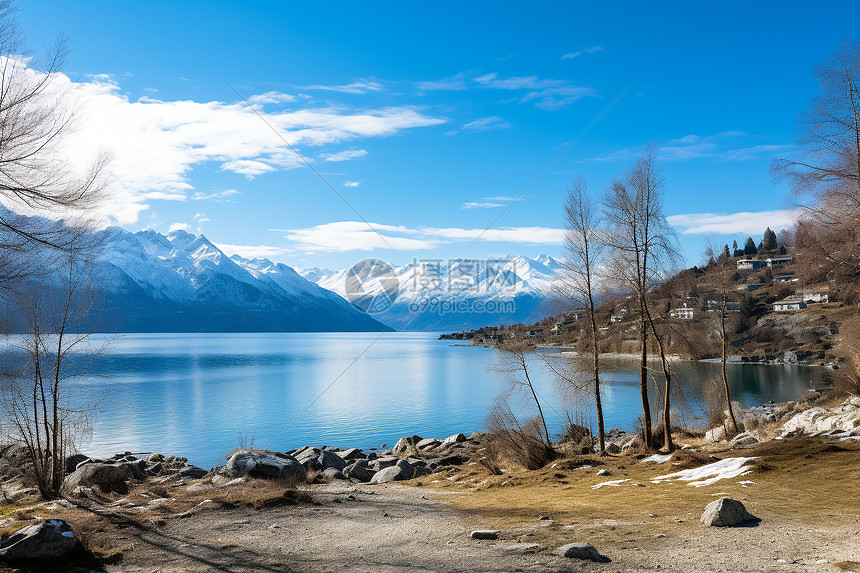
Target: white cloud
[
  {"x": 481, "y": 205},
  {"x": 726, "y": 146},
  {"x": 252, "y": 251},
  {"x": 178, "y": 227},
  {"x": 358, "y": 236},
  {"x": 590, "y": 50},
  {"x": 155, "y": 144},
  {"x": 544, "y": 93},
  {"x": 357, "y": 87},
  {"x": 483, "y": 124},
  {"x": 201, "y": 218},
  {"x": 271, "y": 97},
  {"x": 351, "y": 183},
  {"x": 219, "y": 196},
  {"x": 745, "y": 223},
  {"x": 345, "y": 155},
  {"x": 247, "y": 167}
]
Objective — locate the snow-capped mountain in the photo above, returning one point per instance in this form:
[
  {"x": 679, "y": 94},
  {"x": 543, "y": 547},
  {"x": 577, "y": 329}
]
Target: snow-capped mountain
[
  {"x": 183, "y": 283},
  {"x": 453, "y": 295}
]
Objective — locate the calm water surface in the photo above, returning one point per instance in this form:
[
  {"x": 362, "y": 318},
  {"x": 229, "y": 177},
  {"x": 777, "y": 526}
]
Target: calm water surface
[{"x": 199, "y": 395}]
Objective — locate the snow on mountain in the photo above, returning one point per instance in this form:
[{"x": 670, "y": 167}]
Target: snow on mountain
[
  {"x": 459, "y": 294},
  {"x": 183, "y": 282}
]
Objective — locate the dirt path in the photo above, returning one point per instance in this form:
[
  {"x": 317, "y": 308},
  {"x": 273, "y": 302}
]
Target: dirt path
[
  {"x": 375, "y": 529},
  {"x": 399, "y": 528}
]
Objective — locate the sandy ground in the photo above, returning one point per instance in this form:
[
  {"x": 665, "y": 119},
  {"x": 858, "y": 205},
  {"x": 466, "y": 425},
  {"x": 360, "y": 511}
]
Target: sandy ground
[{"x": 401, "y": 528}]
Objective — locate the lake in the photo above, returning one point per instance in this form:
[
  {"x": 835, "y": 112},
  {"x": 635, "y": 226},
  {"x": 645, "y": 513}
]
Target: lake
[{"x": 200, "y": 395}]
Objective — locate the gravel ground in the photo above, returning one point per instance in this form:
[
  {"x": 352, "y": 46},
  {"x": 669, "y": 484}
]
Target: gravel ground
[{"x": 399, "y": 528}]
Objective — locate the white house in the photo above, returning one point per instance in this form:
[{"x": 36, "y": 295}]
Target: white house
[
  {"x": 788, "y": 304},
  {"x": 750, "y": 264},
  {"x": 684, "y": 312}
]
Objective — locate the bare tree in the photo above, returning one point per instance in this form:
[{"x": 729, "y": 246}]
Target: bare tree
[
  {"x": 583, "y": 249},
  {"x": 643, "y": 248},
  {"x": 57, "y": 348},
  {"x": 36, "y": 174},
  {"x": 719, "y": 282},
  {"x": 513, "y": 358}
]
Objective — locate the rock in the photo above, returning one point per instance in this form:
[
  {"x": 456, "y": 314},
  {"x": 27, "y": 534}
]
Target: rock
[
  {"x": 351, "y": 454},
  {"x": 404, "y": 444},
  {"x": 189, "y": 471},
  {"x": 584, "y": 551},
  {"x": 484, "y": 534},
  {"x": 334, "y": 473},
  {"x": 106, "y": 477},
  {"x": 613, "y": 448},
  {"x": 328, "y": 459},
  {"x": 522, "y": 547},
  {"x": 421, "y": 471},
  {"x": 73, "y": 461},
  {"x": 264, "y": 465},
  {"x": 634, "y": 441},
  {"x": 818, "y": 420},
  {"x": 393, "y": 473},
  {"x": 406, "y": 469},
  {"x": 604, "y": 472},
  {"x": 745, "y": 439},
  {"x": 428, "y": 444},
  {"x": 359, "y": 470},
  {"x": 382, "y": 463},
  {"x": 717, "y": 434},
  {"x": 455, "y": 439},
  {"x": 50, "y": 539},
  {"x": 726, "y": 512},
  {"x": 308, "y": 457}
]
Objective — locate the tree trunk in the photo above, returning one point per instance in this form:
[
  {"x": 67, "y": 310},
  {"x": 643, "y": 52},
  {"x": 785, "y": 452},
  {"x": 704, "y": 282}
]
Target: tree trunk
[
  {"x": 596, "y": 367},
  {"x": 643, "y": 380},
  {"x": 725, "y": 374}
]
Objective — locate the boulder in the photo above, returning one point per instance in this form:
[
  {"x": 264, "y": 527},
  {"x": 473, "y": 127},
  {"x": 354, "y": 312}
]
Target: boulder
[
  {"x": 455, "y": 439},
  {"x": 329, "y": 459},
  {"x": 406, "y": 469},
  {"x": 726, "y": 512},
  {"x": 351, "y": 454},
  {"x": 393, "y": 473},
  {"x": 50, "y": 539},
  {"x": 427, "y": 444},
  {"x": 309, "y": 458},
  {"x": 717, "y": 434},
  {"x": 382, "y": 463},
  {"x": 334, "y": 473},
  {"x": 359, "y": 470},
  {"x": 584, "y": 551},
  {"x": 106, "y": 477},
  {"x": 745, "y": 439},
  {"x": 191, "y": 472},
  {"x": 484, "y": 534},
  {"x": 404, "y": 444},
  {"x": 264, "y": 465}
]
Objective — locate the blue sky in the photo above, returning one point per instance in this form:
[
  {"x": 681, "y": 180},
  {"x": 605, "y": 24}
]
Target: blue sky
[{"x": 428, "y": 118}]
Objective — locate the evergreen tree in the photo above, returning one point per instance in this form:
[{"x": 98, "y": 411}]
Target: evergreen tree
[
  {"x": 725, "y": 254},
  {"x": 734, "y": 246},
  {"x": 768, "y": 242},
  {"x": 749, "y": 247}
]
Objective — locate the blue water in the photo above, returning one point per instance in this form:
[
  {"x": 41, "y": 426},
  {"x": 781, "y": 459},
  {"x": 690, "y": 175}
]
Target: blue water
[{"x": 200, "y": 395}]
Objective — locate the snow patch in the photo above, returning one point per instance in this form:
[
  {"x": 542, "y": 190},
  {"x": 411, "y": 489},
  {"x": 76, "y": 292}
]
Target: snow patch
[
  {"x": 656, "y": 458},
  {"x": 710, "y": 473},
  {"x": 612, "y": 483}
]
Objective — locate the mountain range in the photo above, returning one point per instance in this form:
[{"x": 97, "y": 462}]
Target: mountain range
[
  {"x": 183, "y": 283},
  {"x": 452, "y": 295}
]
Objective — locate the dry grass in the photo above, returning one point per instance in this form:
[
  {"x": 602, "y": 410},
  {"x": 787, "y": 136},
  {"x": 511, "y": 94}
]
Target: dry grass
[{"x": 805, "y": 481}]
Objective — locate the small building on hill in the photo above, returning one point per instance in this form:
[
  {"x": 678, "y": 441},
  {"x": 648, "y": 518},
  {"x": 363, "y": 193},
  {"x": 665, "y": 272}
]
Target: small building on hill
[
  {"x": 789, "y": 304},
  {"x": 684, "y": 312},
  {"x": 750, "y": 264}
]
